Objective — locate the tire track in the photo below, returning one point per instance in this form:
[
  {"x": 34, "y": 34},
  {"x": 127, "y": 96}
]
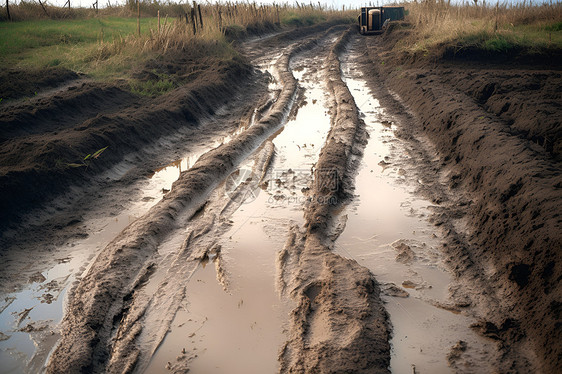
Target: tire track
[{"x": 339, "y": 324}]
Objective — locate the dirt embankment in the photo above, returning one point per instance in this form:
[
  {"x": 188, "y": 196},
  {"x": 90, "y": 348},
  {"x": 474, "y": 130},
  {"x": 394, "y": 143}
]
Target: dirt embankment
[
  {"x": 339, "y": 324},
  {"x": 123, "y": 264},
  {"x": 47, "y": 134},
  {"x": 17, "y": 83},
  {"x": 496, "y": 128}
]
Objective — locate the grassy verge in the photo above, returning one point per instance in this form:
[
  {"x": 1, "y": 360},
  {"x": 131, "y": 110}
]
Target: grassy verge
[
  {"x": 106, "y": 46},
  {"x": 435, "y": 27},
  {"x": 95, "y": 46}
]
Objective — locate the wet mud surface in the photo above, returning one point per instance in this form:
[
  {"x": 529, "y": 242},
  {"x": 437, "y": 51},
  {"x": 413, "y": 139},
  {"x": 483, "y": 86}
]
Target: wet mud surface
[
  {"x": 501, "y": 217},
  {"x": 321, "y": 217}
]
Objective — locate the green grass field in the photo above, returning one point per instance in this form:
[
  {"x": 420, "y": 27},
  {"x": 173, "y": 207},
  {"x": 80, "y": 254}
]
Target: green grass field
[{"x": 74, "y": 44}]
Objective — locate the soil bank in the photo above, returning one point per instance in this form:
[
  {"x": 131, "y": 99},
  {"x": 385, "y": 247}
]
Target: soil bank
[{"x": 496, "y": 127}]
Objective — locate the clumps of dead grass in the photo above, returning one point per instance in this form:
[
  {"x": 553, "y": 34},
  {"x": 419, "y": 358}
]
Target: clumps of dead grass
[{"x": 494, "y": 27}]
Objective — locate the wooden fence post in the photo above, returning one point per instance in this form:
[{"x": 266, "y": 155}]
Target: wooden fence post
[
  {"x": 8, "y": 11},
  {"x": 497, "y": 9},
  {"x": 200, "y": 16},
  {"x": 193, "y": 20},
  {"x": 44, "y": 10},
  {"x": 195, "y": 10},
  {"x": 138, "y": 17}
]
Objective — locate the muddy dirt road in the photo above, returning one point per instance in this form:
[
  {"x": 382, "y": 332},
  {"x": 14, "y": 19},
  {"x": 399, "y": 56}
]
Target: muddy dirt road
[{"x": 299, "y": 222}]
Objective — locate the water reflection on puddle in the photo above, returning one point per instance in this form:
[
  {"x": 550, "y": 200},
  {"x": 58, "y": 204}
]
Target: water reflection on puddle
[
  {"x": 386, "y": 232},
  {"x": 28, "y": 318},
  {"x": 165, "y": 176}
]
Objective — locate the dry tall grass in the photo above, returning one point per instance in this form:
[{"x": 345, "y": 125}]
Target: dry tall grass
[
  {"x": 493, "y": 26},
  {"x": 203, "y": 30},
  {"x": 181, "y": 24},
  {"x": 208, "y": 25}
]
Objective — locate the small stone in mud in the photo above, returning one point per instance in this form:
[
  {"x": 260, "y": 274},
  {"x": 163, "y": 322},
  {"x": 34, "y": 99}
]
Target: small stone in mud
[
  {"x": 456, "y": 351},
  {"x": 37, "y": 278},
  {"x": 384, "y": 164},
  {"x": 34, "y": 327},
  {"x": 390, "y": 289},
  {"x": 408, "y": 284},
  {"x": 47, "y": 298},
  {"x": 487, "y": 329},
  {"x": 404, "y": 252},
  {"x": 52, "y": 285},
  {"x": 23, "y": 315},
  {"x": 450, "y": 307}
]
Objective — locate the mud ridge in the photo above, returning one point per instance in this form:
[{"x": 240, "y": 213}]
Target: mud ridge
[
  {"x": 47, "y": 155},
  {"x": 339, "y": 324},
  {"x": 99, "y": 297},
  {"x": 20, "y": 83},
  {"x": 151, "y": 313},
  {"x": 513, "y": 244}
]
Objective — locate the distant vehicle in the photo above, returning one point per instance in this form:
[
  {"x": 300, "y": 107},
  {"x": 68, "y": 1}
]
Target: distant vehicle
[{"x": 374, "y": 20}]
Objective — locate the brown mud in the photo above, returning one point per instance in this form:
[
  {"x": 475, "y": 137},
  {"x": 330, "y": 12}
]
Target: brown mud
[
  {"x": 497, "y": 216},
  {"x": 496, "y": 129},
  {"x": 46, "y": 170},
  {"x": 339, "y": 323},
  {"x": 19, "y": 83}
]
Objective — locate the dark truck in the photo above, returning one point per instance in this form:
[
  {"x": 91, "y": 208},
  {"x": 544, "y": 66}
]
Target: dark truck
[{"x": 373, "y": 20}]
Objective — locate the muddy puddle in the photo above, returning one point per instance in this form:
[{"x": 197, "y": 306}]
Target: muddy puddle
[
  {"x": 29, "y": 317},
  {"x": 232, "y": 319},
  {"x": 387, "y": 232}
]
